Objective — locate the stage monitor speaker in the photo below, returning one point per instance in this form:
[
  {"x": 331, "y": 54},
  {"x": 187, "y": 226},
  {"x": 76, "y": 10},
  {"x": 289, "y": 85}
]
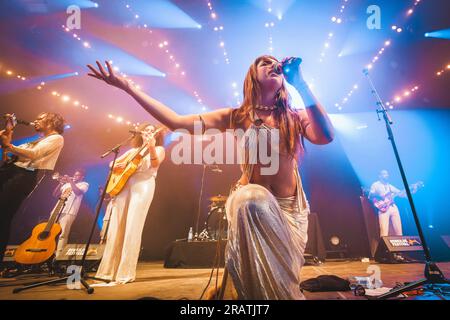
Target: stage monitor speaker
[
  {"x": 9, "y": 253},
  {"x": 74, "y": 252},
  {"x": 194, "y": 254},
  {"x": 399, "y": 249}
]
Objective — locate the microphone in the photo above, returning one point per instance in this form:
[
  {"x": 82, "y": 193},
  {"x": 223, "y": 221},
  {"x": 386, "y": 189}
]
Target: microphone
[
  {"x": 25, "y": 123},
  {"x": 284, "y": 66},
  {"x": 14, "y": 119}
]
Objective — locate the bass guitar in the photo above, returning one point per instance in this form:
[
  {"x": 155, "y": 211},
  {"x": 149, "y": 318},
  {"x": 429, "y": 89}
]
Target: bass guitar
[
  {"x": 10, "y": 124},
  {"x": 388, "y": 200}
]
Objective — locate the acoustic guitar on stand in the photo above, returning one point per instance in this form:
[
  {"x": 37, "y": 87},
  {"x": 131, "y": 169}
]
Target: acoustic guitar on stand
[{"x": 41, "y": 246}]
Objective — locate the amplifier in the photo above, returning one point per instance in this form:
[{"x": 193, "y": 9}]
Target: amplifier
[
  {"x": 73, "y": 252},
  {"x": 9, "y": 253},
  {"x": 398, "y": 249}
]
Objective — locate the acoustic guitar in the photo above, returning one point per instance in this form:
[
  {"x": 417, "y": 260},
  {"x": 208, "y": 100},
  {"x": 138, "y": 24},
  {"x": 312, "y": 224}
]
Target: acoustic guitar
[
  {"x": 384, "y": 204},
  {"x": 42, "y": 244},
  {"x": 120, "y": 176}
]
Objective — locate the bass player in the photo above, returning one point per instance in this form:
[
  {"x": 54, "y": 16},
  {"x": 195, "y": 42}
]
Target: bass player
[{"x": 382, "y": 194}]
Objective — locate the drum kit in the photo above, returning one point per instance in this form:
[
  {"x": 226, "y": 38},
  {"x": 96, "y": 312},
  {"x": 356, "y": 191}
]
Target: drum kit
[{"x": 216, "y": 223}]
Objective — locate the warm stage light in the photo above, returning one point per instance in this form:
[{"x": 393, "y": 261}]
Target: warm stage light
[
  {"x": 65, "y": 98},
  {"x": 334, "y": 240}
]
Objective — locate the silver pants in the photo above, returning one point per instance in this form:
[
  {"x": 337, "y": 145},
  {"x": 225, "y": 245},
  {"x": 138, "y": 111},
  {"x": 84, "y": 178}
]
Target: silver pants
[{"x": 266, "y": 242}]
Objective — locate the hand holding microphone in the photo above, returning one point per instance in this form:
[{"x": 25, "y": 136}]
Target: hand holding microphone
[{"x": 290, "y": 68}]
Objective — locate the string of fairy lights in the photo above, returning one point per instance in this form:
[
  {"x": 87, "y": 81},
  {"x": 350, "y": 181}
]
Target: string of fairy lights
[
  {"x": 409, "y": 92},
  {"x": 270, "y": 25},
  {"x": 66, "y": 98},
  {"x": 337, "y": 20},
  {"x": 218, "y": 28},
  {"x": 376, "y": 58},
  {"x": 163, "y": 45}
]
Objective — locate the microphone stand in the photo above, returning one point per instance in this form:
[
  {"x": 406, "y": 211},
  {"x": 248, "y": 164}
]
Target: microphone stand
[
  {"x": 433, "y": 275},
  {"x": 199, "y": 203},
  {"x": 82, "y": 275},
  {"x": 196, "y": 234}
]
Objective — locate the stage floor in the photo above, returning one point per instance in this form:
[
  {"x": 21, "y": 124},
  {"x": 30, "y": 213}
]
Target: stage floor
[{"x": 155, "y": 281}]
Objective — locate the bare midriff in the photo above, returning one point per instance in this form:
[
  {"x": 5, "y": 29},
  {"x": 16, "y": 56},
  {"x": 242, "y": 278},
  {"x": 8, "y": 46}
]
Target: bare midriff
[{"x": 281, "y": 184}]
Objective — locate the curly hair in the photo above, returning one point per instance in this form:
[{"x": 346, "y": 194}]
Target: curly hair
[
  {"x": 159, "y": 137},
  {"x": 55, "y": 120}
]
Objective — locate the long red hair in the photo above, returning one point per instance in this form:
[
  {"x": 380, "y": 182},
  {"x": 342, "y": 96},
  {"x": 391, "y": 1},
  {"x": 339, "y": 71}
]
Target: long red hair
[{"x": 287, "y": 118}]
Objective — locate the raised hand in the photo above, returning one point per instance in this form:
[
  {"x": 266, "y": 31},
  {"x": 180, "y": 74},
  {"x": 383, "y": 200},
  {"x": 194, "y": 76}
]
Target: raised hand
[
  {"x": 109, "y": 77},
  {"x": 149, "y": 138}
]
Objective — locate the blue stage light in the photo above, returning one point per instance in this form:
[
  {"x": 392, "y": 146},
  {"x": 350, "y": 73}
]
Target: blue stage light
[{"x": 440, "y": 34}]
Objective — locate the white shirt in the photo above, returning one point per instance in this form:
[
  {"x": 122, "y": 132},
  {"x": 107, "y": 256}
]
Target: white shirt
[
  {"x": 42, "y": 154},
  {"x": 73, "y": 202},
  {"x": 381, "y": 189}
]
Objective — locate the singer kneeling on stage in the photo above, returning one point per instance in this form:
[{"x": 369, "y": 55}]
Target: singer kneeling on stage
[{"x": 267, "y": 213}]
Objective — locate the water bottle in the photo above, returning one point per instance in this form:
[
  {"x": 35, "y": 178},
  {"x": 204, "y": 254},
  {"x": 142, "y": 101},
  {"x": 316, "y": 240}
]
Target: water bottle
[{"x": 190, "y": 235}]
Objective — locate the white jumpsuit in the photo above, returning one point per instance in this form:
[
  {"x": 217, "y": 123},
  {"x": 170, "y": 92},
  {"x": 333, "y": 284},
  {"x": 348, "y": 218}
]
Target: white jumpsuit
[{"x": 128, "y": 211}]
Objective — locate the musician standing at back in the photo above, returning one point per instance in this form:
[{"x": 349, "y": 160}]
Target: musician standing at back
[
  {"x": 383, "y": 190},
  {"x": 128, "y": 210},
  {"x": 18, "y": 179},
  {"x": 72, "y": 205}
]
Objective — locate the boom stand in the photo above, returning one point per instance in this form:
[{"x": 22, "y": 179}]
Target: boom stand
[
  {"x": 433, "y": 275},
  {"x": 82, "y": 274}
]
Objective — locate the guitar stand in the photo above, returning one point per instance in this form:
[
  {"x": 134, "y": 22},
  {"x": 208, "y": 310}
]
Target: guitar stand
[
  {"x": 82, "y": 276},
  {"x": 433, "y": 275}
]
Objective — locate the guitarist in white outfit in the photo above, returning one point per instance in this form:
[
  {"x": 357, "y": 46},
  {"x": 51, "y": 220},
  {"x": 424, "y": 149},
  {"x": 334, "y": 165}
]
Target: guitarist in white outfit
[
  {"x": 383, "y": 190},
  {"x": 128, "y": 210}
]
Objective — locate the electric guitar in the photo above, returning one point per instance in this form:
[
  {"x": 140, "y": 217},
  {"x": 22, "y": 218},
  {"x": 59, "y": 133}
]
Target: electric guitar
[
  {"x": 120, "y": 176},
  {"x": 388, "y": 200},
  {"x": 42, "y": 244},
  {"x": 10, "y": 124}
]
